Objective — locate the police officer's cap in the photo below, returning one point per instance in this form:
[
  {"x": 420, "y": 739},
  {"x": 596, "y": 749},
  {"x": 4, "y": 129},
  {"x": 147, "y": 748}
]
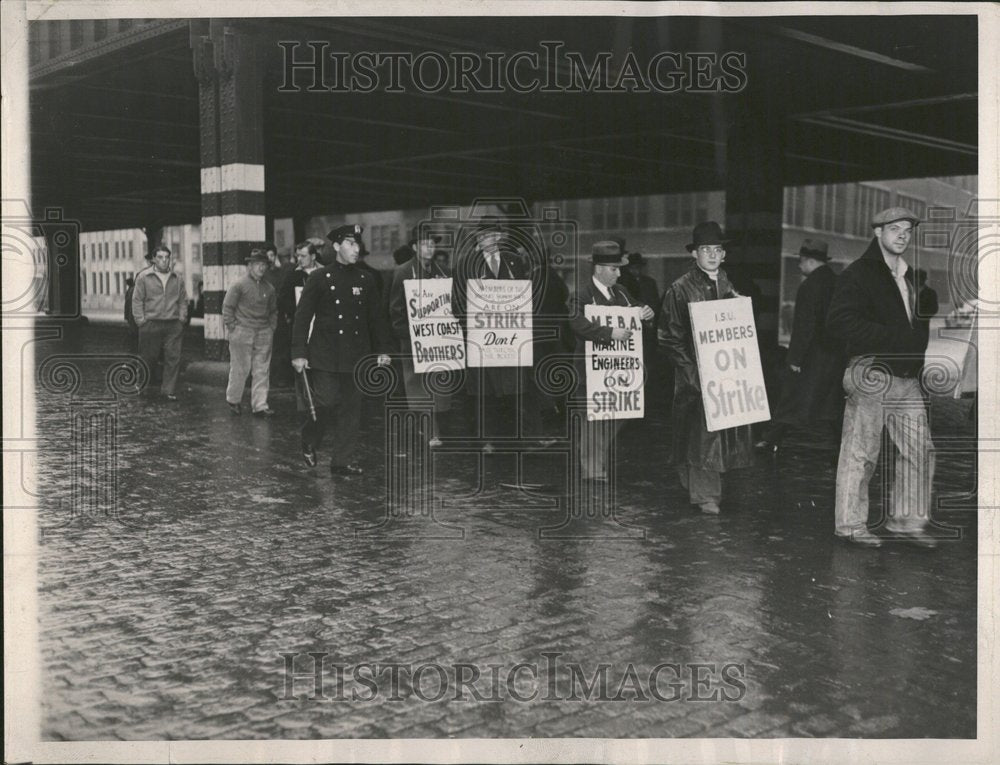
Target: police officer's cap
[{"x": 348, "y": 230}]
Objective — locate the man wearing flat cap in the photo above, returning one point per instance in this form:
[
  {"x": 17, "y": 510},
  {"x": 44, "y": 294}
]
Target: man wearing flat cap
[
  {"x": 602, "y": 289},
  {"x": 348, "y": 327},
  {"x": 812, "y": 395},
  {"x": 421, "y": 265},
  {"x": 700, "y": 456},
  {"x": 875, "y": 313},
  {"x": 250, "y": 313}
]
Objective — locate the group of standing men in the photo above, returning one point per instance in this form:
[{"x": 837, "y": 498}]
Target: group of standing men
[{"x": 869, "y": 324}]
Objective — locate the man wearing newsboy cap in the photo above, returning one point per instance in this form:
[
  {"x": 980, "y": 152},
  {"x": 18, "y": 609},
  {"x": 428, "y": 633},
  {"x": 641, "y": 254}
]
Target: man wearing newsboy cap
[
  {"x": 349, "y": 326},
  {"x": 250, "y": 313},
  {"x": 874, "y": 311},
  {"x": 602, "y": 289}
]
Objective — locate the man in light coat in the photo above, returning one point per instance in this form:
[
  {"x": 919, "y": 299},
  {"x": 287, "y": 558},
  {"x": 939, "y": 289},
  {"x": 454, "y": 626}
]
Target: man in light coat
[
  {"x": 159, "y": 308},
  {"x": 250, "y": 313}
]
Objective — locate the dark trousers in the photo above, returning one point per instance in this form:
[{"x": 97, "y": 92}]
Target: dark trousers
[
  {"x": 281, "y": 372},
  {"x": 496, "y": 417},
  {"x": 132, "y": 339},
  {"x": 338, "y": 410},
  {"x": 166, "y": 335}
]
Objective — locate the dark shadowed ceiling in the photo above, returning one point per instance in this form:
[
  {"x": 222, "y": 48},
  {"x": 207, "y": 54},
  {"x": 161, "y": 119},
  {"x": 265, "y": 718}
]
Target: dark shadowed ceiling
[{"x": 115, "y": 131}]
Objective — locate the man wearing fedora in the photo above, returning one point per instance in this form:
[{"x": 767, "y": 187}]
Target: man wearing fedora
[
  {"x": 494, "y": 389},
  {"x": 349, "y": 326},
  {"x": 250, "y": 313},
  {"x": 603, "y": 289},
  {"x": 811, "y": 390},
  {"x": 420, "y": 266},
  {"x": 699, "y": 455},
  {"x": 875, "y": 312}
]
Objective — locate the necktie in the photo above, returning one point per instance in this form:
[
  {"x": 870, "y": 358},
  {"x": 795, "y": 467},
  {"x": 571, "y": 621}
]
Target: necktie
[{"x": 495, "y": 265}]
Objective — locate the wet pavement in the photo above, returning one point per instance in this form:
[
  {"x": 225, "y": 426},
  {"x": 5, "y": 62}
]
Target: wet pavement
[{"x": 189, "y": 560}]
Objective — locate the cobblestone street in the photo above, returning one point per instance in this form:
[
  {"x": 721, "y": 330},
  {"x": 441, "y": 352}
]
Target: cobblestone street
[{"x": 174, "y": 598}]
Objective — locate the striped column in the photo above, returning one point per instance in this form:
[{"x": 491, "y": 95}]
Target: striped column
[{"x": 230, "y": 76}]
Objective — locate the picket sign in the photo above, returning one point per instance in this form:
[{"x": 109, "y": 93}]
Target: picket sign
[
  {"x": 499, "y": 323},
  {"x": 615, "y": 371},
  {"x": 435, "y": 335},
  {"x": 732, "y": 379}
]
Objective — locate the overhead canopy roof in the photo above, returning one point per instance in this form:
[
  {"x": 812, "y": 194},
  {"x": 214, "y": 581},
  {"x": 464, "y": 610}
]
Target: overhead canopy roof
[{"x": 115, "y": 128}]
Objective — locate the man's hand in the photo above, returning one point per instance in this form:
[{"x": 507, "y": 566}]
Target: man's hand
[
  {"x": 794, "y": 368},
  {"x": 621, "y": 334},
  {"x": 384, "y": 360},
  {"x": 647, "y": 313},
  {"x": 300, "y": 365}
]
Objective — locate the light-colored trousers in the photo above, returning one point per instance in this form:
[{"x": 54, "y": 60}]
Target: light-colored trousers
[
  {"x": 876, "y": 400},
  {"x": 703, "y": 484},
  {"x": 250, "y": 353}
]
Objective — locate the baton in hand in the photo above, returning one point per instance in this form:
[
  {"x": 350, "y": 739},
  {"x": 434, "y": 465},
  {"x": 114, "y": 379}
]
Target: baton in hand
[{"x": 309, "y": 395}]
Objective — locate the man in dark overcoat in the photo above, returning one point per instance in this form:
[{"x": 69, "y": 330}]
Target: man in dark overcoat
[
  {"x": 349, "y": 326},
  {"x": 495, "y": 390},
  {"x": 421, "y": 265},
  {"x": 811, "y": 395},
  {"x": 602, "y": 289},
  {"x": 699, "y": 455}
]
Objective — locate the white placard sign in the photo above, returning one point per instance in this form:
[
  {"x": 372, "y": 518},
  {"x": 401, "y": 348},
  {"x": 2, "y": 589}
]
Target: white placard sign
[
  {"x": 435, "y": 335},
  {"x": 498, "y": 323},
  {"x": 732, "y": 380},
  {"x": 615, "y": 372}
]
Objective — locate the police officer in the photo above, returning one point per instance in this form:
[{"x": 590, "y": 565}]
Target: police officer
[{"x": 344, "y": 300}]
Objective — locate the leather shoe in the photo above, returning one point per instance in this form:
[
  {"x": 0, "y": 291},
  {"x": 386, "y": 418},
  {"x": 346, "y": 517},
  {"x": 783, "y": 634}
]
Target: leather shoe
[
  {"x": 264, "y": 413},
  {"x": 236, "y": 409},
  {"x": 863, "y": 538},
  {"x": 309, "y": 455},
  {"x": 345, "y": 470},
  {"x": 171, "y": 397}
]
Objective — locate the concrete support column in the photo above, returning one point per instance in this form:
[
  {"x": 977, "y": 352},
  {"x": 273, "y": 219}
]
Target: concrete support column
[
  {"x": 229, "y": 65},
  {"x": 754, "y": 204}
]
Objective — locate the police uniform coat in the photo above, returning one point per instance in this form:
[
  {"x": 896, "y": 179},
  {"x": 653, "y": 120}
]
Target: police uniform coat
[
  {"x": 815, "y": 393},
  {"x": 345, "y": 301},
  {"x": 693, "y": 444}
]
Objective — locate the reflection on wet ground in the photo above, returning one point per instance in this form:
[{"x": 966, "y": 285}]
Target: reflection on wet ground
[{"x": 175, "y": 598}]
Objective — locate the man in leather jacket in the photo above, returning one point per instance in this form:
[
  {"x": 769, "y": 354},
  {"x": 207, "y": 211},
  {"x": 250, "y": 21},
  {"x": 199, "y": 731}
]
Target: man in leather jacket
[{"x": 699, "y": 456}]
